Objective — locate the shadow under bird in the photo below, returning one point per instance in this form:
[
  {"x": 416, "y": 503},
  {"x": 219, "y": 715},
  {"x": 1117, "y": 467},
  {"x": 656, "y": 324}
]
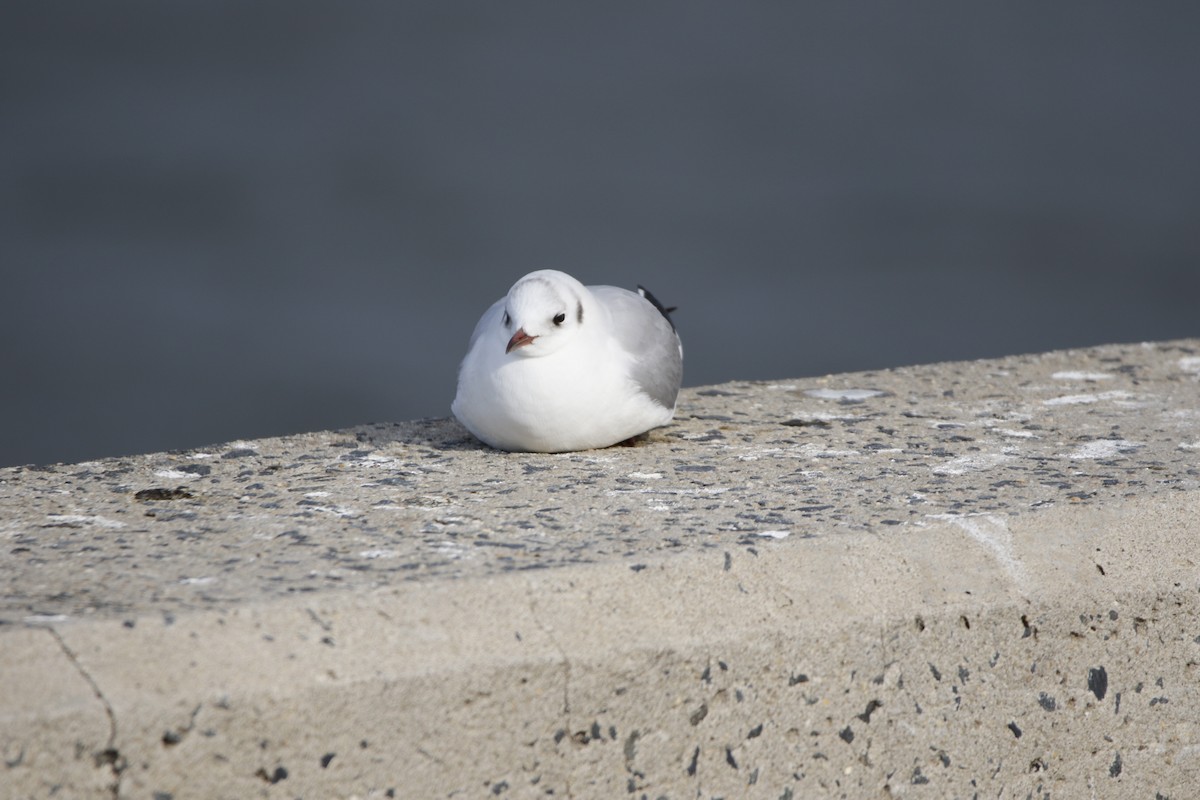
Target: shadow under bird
[{"x": 556, "y": 366}]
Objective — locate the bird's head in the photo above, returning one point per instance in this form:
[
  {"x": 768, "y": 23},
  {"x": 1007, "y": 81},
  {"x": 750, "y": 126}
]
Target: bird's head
[{"x": 543, "y": 311}]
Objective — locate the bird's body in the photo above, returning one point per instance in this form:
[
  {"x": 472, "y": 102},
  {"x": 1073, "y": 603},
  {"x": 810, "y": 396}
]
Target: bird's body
[{"x": 557, "y": 366}]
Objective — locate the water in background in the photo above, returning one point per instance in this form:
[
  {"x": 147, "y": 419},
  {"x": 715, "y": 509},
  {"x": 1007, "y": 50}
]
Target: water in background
[{"x": 225, "y": 220}]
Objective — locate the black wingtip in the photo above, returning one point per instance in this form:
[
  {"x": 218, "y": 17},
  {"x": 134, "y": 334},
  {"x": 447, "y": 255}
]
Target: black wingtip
[{"x": 666, "y": 312}]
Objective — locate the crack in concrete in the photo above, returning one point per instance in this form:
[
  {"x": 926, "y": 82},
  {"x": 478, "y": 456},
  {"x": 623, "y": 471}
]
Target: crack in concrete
[
  {"x": 110, "y": 756},
  {"x": 566, "y": 662},
  {"x": 174, "y": 736}
]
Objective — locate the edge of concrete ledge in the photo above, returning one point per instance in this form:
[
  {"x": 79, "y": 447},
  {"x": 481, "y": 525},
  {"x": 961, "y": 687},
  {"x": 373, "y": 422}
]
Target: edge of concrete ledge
[{"x": 547, "y": 653}]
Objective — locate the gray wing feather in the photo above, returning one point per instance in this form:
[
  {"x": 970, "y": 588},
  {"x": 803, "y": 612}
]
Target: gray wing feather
[{"x": 647, "y": 335}]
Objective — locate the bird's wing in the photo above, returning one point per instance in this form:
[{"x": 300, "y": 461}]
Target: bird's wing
[{"x": 643, "y": 331}]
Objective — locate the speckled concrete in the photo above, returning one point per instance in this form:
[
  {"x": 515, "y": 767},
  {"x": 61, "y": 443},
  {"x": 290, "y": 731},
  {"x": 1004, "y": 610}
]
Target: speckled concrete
[{"x": 946, "y": 580}]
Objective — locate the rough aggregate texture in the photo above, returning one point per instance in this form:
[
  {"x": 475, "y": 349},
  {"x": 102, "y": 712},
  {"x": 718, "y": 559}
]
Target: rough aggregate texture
[
  {"x": 745, "y": 463},
  {"x": 956, "y": 580}
]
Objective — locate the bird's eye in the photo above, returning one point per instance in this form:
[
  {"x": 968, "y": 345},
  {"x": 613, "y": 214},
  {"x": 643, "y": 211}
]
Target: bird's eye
[
  {"x": 559, "y": 319},
  {"x": 507, "y": 319}
]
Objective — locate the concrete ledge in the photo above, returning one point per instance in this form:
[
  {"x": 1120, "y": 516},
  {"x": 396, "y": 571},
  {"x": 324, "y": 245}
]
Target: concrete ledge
[{"x": 949, "y": 580}]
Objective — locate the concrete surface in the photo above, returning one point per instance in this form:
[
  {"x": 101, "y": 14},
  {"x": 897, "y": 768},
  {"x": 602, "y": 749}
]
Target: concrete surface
[{"x": 966, "y": 580}]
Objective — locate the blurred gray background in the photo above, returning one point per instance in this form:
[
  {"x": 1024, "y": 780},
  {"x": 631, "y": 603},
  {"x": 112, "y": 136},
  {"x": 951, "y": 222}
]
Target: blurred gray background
[{"x": 226, "y": 219}]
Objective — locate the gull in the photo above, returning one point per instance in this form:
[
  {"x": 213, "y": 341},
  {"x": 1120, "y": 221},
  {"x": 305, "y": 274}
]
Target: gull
[{"x": 557, "y": 366}]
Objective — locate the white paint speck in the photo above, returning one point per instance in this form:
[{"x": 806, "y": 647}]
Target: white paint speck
[
  {"x": 380, "y": 460},
  {"x": 707, "y": 490},
  {"x": 84, "y": 519},
  {"x": 373, "y": 554},
  {"x": 646, "y": 476},
  {"x": 825, "y": 416},
  {"x": 1082, "y": 399},
  {"x": 1190, "y": 364},
  {"x": 43, "y": 619},
  {"x": 694, "y": 436},
  {"x": 586, "y": 459},
  {"x": 341, "y": 511},
  {"x": 449, "y": 549},
  {"x": 1082, "y": 376},
  {"x": 851, "y": 395},
  {"x": 1132, "y": 404},
  {"x": 176, "y": 475},
  {"x": 316, "y": 494},
  {"x": 197, "y": 581},
  {"x": 1103, "y": 448},
  {"x": 1190, "y": 445},
  {"x": 975, "y": 462},
  {"x": 1017, "y": 434},
  {"x": 774, "y": 534}
]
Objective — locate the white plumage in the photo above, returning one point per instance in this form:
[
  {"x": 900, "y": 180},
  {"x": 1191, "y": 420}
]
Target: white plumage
[{"x": 557, "y": 366}]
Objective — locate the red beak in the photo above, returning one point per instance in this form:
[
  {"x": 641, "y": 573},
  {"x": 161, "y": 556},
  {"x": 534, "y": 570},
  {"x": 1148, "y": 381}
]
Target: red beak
[{"x": 519, "y": 339}]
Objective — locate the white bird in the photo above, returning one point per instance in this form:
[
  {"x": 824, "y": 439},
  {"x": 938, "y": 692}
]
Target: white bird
[{"x": 557, "y": 366}]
